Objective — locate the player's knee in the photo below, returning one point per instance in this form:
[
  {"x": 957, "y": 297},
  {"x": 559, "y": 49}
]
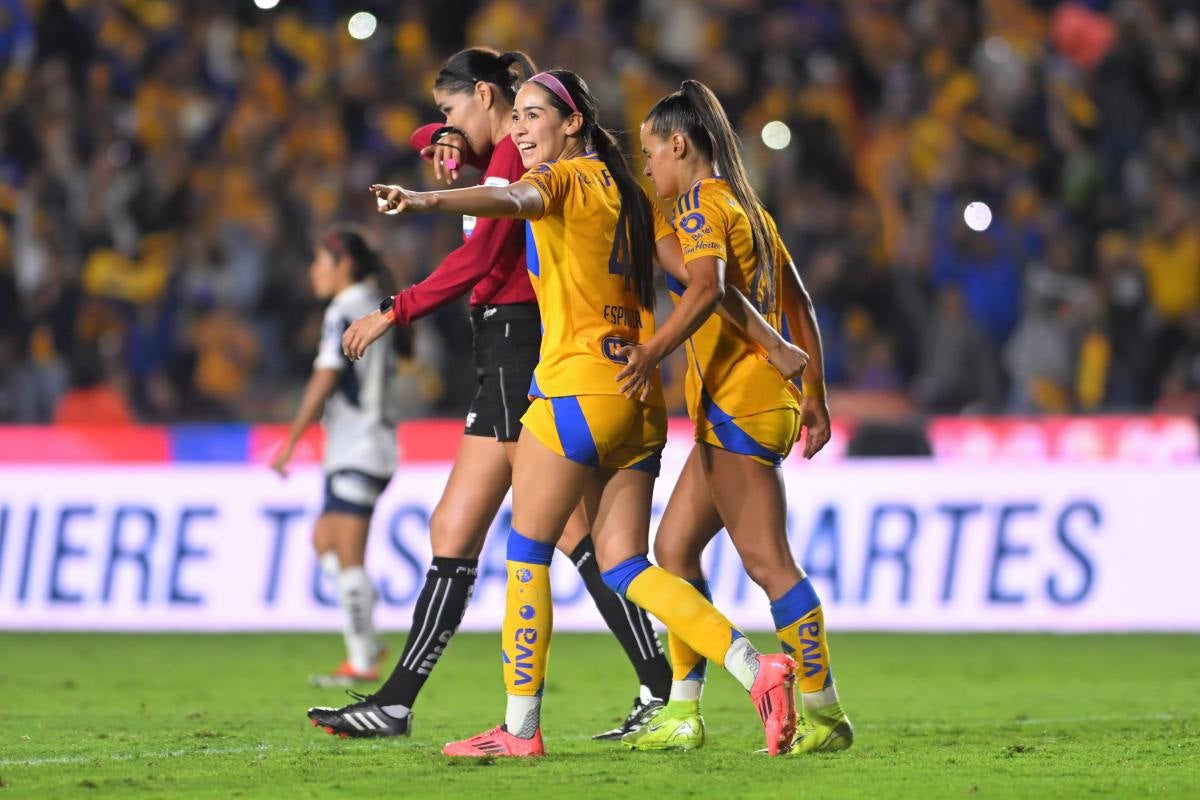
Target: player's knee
[
  {"x": 672, "y": 556},
  {"x": 452, "y": 535},
  {"x": 321, "y": 539},
  {"x": 774, "y": 574},
  {"x": 571, "y": 537},
  {"x": 760, "y": 568}
]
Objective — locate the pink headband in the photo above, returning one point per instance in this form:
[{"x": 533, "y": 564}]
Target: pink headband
[
  {"x": 334, "y": 243},
  {"x": 555, "y": 85}
]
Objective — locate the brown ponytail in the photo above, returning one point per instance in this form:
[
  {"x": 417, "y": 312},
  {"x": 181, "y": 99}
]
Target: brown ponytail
[{"x": 696, "y": 112}]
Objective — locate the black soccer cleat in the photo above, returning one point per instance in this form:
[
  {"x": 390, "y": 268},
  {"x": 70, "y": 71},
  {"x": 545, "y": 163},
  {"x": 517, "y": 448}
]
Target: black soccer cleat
[
  {"x": 360, "y": 720},
  {"x": 639, "y": 715}
]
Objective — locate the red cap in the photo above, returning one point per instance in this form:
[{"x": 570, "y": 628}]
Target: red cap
[{"x": 423, "y": 136}]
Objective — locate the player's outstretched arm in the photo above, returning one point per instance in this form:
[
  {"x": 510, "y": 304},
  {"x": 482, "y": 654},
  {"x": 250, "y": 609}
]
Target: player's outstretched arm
[{"x": 516, "y": 200}]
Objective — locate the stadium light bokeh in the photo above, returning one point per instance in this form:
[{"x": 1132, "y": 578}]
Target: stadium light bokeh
[
  {"x": 776, "y": 135},
  {"x": 362, "y": 25},
  {"x": 978, "y": 216}
]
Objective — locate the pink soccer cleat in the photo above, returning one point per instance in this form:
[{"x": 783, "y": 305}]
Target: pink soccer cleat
[
  {"x": 499, "y": 742},
  {"x": 774, "y": 697}
]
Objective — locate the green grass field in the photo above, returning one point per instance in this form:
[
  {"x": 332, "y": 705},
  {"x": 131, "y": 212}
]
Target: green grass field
[{"x": 937, "y": 716}]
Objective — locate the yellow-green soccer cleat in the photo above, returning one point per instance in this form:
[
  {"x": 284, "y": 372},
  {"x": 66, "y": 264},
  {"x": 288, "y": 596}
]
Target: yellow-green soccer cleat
[
  {"x": 676, "y": 726},
  {"x": 823, "y": 730}
]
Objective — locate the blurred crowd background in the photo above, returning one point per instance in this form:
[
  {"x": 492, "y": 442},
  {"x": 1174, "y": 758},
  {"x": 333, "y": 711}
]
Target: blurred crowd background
[{"x": 166, "y": 166}]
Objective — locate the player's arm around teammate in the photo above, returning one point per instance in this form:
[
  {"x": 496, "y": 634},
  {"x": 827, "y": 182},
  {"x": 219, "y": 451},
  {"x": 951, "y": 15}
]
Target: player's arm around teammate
[
  {"x": 747, "y": 417},
  {"x": 704, "y": 292},
  {"x": 735, "y": 308}
]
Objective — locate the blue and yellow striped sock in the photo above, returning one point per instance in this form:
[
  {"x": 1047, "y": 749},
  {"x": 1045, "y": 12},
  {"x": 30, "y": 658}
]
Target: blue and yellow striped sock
[
  {"x": 800, "y": 626},
  {"x": 681, "y": 607},
  {"x": 528, "y": 620}
]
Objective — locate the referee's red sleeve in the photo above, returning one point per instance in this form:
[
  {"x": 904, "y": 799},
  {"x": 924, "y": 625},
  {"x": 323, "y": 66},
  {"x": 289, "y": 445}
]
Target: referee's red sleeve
[{"x": 460, "y": 270}]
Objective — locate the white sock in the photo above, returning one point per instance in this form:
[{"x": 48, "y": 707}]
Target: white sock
[
  {"x": 523, "y": 715},
  {"x": 330, "y": 565},
  {"x": 688, "y": 691},
  {"x": 814, "y": 701},
  {"x": 741, "y": 659},
  {"x": 357, "y": 598}
]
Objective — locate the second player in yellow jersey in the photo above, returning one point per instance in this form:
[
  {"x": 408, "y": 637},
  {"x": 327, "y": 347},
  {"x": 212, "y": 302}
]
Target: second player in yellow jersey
[
  {"x": 747, "y": 415},
  {"x": 736, "y": 399}
]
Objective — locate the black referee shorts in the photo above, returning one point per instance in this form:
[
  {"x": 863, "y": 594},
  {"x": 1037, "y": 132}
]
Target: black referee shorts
[{"x": 507, "y": 345}]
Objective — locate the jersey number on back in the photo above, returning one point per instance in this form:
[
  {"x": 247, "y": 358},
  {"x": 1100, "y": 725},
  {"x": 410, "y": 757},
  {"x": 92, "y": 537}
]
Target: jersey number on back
[{"x": 620, "y": 261}]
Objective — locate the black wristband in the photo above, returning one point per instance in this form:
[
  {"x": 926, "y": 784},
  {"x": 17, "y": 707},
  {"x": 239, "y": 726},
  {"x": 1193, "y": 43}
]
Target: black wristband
[{"x": 446, "y": 130}]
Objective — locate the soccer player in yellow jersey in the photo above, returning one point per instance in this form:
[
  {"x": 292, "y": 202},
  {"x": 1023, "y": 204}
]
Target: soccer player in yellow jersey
[
  {"x": 747, "y": 416},
  {"x": 590, "y": 260}
]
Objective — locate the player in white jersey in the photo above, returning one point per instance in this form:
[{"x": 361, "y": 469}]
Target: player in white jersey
[{"x": 359, "y": 421}]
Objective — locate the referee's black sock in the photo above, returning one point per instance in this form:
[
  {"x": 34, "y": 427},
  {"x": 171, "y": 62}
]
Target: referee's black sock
[
  {"x": 628, "y": 623},
  {"x": 439, "y": 611}
]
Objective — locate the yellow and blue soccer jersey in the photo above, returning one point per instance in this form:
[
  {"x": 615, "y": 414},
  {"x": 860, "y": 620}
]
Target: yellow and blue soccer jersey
[
  {"x": 728, "y": 376},
  {"x": 583, "y": 282}
]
